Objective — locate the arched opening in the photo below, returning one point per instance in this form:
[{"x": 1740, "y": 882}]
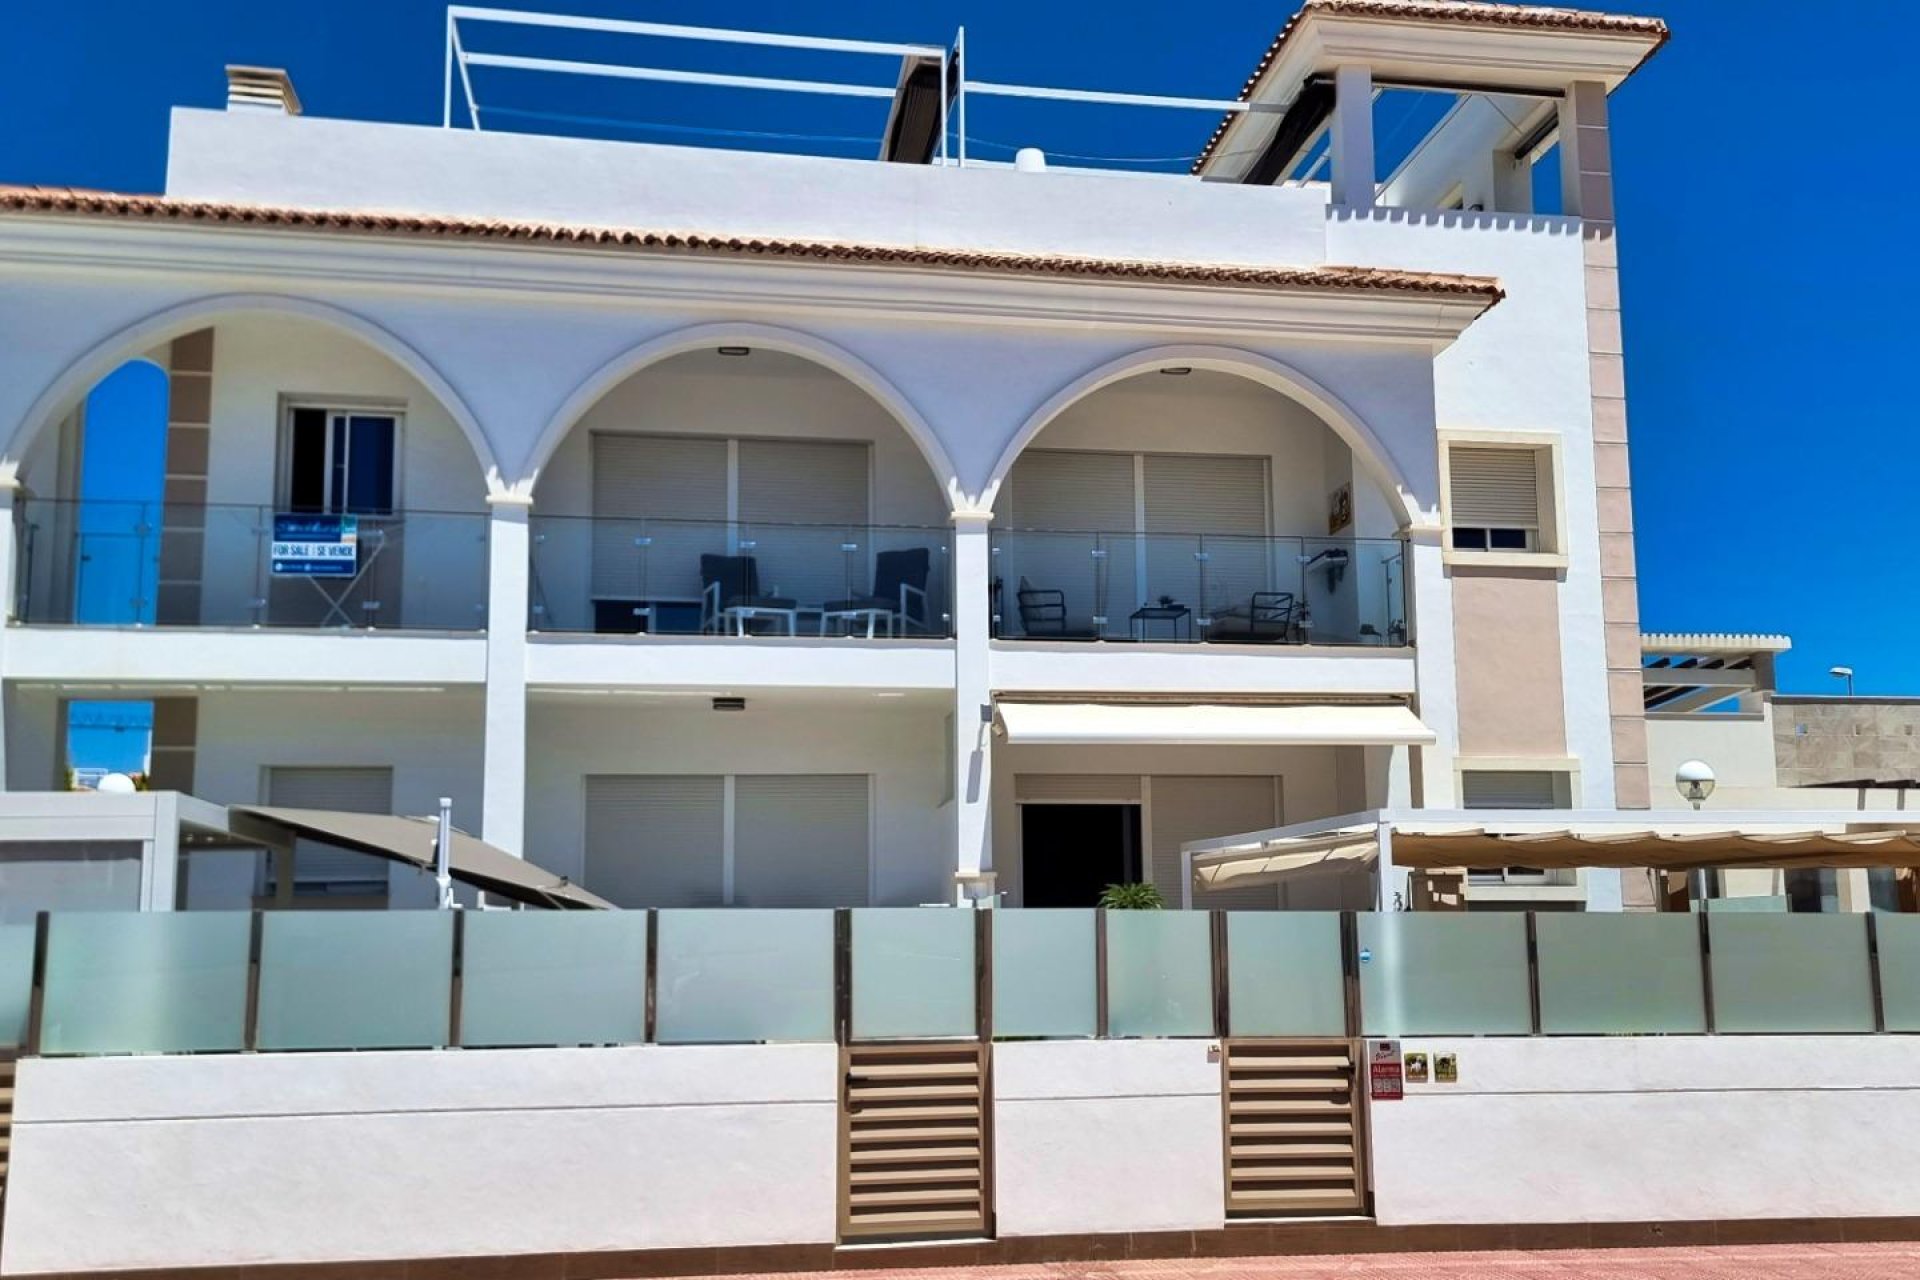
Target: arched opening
[
  {"x": 1187, "y": 501},
  {"x": 257, "y": 462},
  {"x": 739, "y": 489}
]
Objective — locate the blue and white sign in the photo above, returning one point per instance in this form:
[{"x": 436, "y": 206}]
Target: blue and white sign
[{"x": 316, "y": 546}]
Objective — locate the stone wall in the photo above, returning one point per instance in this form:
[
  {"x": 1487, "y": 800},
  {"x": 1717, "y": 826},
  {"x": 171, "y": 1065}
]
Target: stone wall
[{"x": 1830, "y": 740}]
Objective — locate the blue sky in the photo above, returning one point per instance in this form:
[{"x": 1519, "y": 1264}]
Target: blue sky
[{"x": 1764, "y": 183}]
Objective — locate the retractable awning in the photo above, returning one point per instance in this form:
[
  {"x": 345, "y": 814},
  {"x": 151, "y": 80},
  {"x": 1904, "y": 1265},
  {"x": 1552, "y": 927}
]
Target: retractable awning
[
  {"x": 1559, "y": 840},
  {"x": 412, "y": 841},
  {"x": 1210, "y": 724}
]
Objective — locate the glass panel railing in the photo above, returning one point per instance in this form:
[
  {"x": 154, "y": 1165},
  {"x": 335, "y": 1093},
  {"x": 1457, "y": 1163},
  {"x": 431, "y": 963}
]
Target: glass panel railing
[
  {"x": 691, "y": 577},
  {"x": 734, "y": 977},
  {"x": 1159, "y": 973},
  {"x": 553, "y": 978},
  {"x": 146, "y": 982},
  {"x": 913, "y": 973},
  {"x": 1444, "y": 973},
  {"x": 1183, "y": 588},
  {"x": 67, "y": 875},
  {"x": 1284, "y": 974},
  {"x": 1898, "y": 937},
  {"x": 1790, "y": 973},
  {"x": 16, "y": 983},
  {"x": 1611, "y": 974},
  {"x": 1044, "y": 984},
  {"x": 355, "y": 979},
  {"x": 224, "y": 565}
]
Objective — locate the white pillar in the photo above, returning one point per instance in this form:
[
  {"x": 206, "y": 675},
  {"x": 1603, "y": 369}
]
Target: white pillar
[
  {"x": 160, "y": 856},
  {"x": 503, "y": 794},
  {"x": 972, "y": 704},
  {"x": 8, "y": 587},
  {"x": 1430, "y": 605},
  {"x": 1352, "y": 141}
]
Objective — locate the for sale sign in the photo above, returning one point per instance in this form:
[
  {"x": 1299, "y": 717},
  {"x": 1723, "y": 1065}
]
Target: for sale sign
[
  {"x": 1386, "y": 1081},
  {"x": 307, "y": 546}
]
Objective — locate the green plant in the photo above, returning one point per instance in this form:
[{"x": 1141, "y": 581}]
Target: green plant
[{"x": 1131, "y": 897}]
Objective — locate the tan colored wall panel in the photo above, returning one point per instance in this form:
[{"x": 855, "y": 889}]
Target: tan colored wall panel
[{"x": 1506, "y": 635}]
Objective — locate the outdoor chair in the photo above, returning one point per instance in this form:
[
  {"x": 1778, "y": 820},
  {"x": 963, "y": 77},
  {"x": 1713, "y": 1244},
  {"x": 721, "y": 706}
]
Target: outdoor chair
[
  {"x": 1268, "y": 618},
  {"x": 899, "y": 588},
  {"x": 732, "y": 582},
  {"x": 1043, "y": 615}
]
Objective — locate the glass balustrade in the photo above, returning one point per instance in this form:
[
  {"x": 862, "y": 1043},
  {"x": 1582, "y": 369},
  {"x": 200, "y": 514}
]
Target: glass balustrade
[
  {"x": 693, "y": 577},
  {"x": 126, "y": 564},
  {"x": 189, "y": 982},
  {"x": 1199, "y": 588}
]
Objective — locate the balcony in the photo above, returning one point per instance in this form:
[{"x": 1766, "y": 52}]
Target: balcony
[
  {"x": 1164, "y": 588},
  {"x": 133, "y": 564},
  {"x": 669, "y": 577}
]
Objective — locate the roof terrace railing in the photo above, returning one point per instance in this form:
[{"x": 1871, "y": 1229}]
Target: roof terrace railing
[{"x": 954, "y": 86}]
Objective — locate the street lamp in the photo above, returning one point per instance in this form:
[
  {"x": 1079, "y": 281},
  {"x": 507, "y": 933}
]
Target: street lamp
[
  {"x": 1694, "y": 781},
  {"x": 1843, "y": 673}
]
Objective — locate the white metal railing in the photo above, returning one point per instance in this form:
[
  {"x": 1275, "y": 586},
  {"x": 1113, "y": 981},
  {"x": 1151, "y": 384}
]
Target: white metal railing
[{"x": 955, "y": 87}]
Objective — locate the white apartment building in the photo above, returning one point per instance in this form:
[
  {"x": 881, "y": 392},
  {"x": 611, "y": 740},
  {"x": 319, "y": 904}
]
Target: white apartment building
[{"x": 718, "y": 526}]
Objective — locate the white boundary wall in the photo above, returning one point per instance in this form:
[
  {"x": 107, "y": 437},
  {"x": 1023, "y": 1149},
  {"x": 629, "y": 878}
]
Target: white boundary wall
[
  {"x": 1106, "y": 1136},
  {"x": 1651, "y": 1129},
  {"x": 155, "y": 1162}
]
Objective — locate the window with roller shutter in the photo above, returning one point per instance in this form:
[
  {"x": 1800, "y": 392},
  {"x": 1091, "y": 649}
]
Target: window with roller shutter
[
  {"x": 1494, "y": 498},
  {"x": 321, "y": 870}
]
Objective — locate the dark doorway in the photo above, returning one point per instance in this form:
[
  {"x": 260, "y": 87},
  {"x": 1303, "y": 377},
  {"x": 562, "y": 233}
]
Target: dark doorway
[{"x": 1070, "y": 852}]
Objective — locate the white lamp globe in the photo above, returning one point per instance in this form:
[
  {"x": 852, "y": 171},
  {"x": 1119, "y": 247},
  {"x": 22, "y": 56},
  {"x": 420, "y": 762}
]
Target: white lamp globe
[
  {"x": 1694, "y": 781},
  {"x": 116, "y": 784}
]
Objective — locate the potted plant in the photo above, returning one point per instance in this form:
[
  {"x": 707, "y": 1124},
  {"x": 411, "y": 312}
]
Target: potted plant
[{"x": 1131, "y": 897}]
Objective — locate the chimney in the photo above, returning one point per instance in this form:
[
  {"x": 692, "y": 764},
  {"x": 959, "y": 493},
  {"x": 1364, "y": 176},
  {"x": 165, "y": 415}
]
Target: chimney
[{"x": 261, "y": 89}]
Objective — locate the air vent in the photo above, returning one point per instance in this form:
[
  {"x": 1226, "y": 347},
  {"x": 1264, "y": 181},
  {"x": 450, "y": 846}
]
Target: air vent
[{"x": 261, "y": 89}]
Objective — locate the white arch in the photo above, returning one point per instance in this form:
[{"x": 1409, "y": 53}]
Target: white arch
[
  {"x": 707, "y": 336},
  {"x": 78, "y": 378},
  {"x": 1268, "y": 372}
]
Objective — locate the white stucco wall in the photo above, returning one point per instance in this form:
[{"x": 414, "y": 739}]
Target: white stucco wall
[
  {"x": 1113, "y": 1135},
  {"x": 154, "y": 1162},
  {"x": 1739, "y": 747},
  {"x": 264, "y": 158},
  {"x": 1647, "y": 1129},
  {"x": 897, "y": 743}
]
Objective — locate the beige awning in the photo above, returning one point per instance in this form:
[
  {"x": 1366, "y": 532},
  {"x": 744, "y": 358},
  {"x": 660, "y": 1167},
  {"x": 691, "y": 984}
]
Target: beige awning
[
  {"x": 1207, "y": 724},
  {"x": 1418, "y": 845},
  {"x": 412, "y": 841}
]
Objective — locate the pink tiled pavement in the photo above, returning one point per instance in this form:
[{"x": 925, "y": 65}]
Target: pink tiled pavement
[{"x": 1743, "y": 1262}]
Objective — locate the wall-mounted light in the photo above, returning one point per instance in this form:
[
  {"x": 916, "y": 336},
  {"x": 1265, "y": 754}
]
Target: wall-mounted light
[
  {"x": 736, "y": 351},
  {"x": 729, "y": 704},
  {"x": 1694, "y": 781}
]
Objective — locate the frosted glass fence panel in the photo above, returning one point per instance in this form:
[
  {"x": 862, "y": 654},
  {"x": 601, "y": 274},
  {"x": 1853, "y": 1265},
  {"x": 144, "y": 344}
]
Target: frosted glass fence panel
[
  {"x": 741, "y": 977},
  {"x": 1801, "y": 973},
  {"x": 1284, "y": 974},
  {"x": 1444, "y": 974},
  {"x": 1044, "y": 982},
  {"x": 355, "y": 979},
  {"x": 1614, "y": 974},
  {"x": 913, "y": 973},
  {"x": 16, "y": 983},
  {"x": 1899, "y": 938},
  {"x": 554, "y": 978},
  {"x": 1159, "y": 973},
  {"x": 146, "y": 982}
]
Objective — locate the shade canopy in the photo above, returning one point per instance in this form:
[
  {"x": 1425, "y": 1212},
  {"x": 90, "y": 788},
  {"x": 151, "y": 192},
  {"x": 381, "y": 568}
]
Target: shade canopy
[
  {"x": 412, "y": 841},
  {"x": 1554, "y": 841},
  {"x": 1207, "y": 724}
]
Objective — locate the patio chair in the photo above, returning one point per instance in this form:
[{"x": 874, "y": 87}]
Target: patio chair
[
  {"x": 1268, "y": 618},
  {"x": 899, "y": 588},
  {"x": 732, "y": 582},
  {"x": 1043, "y": 615}
]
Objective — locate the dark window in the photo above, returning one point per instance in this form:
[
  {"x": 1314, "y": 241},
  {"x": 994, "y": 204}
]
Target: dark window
[{"x": 341, "y": 463}]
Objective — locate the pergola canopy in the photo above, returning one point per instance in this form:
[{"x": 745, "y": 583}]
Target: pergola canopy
[
  {"x": 1556, "y": 840},
  {"x": 412, "y": 841}
]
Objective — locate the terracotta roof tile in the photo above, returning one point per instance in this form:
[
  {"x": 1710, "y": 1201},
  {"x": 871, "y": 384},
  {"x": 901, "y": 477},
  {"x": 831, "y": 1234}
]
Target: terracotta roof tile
[
  {"x": 1471, "y": 12},
  {"x": 103, "y": 204}
]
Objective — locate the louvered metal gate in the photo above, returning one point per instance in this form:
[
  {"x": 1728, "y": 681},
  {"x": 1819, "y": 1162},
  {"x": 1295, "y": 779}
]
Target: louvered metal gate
[
  {"x": 1295, "y": 1127},
  {"x": 915, "y": 1154}
]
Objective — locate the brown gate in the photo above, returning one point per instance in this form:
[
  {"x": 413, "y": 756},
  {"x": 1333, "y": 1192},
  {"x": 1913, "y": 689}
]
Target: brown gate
[
  {"x": 1295, "y": 1127},
  {"x": 914, "y": 1150}
]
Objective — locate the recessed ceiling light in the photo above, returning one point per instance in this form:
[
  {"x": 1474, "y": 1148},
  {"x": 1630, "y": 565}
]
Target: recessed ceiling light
[
  {"x": 736, "y": 351},
  {"x": 1177, "y": 371}
]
